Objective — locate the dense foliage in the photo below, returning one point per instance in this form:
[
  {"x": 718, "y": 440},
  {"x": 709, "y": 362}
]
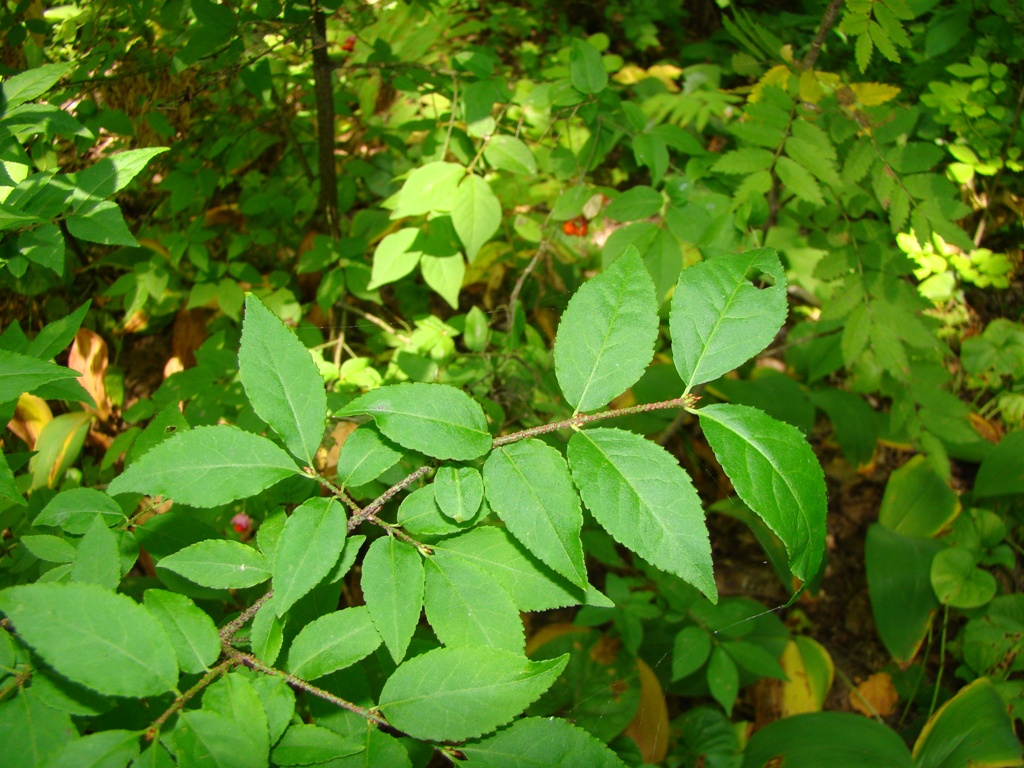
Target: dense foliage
[{"x": 311, "y": 311}]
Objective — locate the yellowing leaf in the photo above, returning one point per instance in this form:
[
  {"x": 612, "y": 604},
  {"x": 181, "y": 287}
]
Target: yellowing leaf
[
  {"x": 630, "y": 74},
  {"x": 667, "y": 74},
  {"x": 810, "y": 671},
  {"x": 876, "y": 696},
  {"x": 873, "y": 94},
  {"x": 777, "y": 76},
  {"x": 650, "y": 729}
]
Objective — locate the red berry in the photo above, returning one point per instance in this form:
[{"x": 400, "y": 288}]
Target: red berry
[
  {"x": 349, "y": 44},
  {"x": 241, "y": 522},
  {"x": 569, "y": 228}
]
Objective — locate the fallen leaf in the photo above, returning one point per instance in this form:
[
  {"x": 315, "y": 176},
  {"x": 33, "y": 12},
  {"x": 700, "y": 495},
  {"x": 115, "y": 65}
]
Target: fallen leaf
[
  {"x": 876, "y": 696},
  {"x": 88, "y": 356}
]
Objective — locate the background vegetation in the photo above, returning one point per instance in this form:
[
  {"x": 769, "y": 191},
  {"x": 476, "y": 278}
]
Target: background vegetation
[{"x": 417, "y": 190}]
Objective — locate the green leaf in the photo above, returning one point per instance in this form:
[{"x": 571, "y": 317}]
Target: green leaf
[
  {"x": 723, "y": 679},
  {"x": 606, "y": 336},
  {"x": 467, "y": 606},
  {"x": 636, "y": 203},
  {"x": 507, "y": 153},
  {"x": 98, "y": 560},
  {"x": 8, "y": 488},
  {"x": 435, "y": 419},
  {"x": 50, "y": 549},
  {"x": 776, "y": 474},
  {"x": 333, "y": 642},
  {"x": 978, "y": 710},
  {"x": 267, "y": 636},
  {"x": 740, "y": 162},
  {"x": 428, "y": 188},
  {"x": 458, "y": 492},
  {"x": 451, "y": 694},
  {"x": 56, "y": 336},
  {"x": 209, "y": 738},
  {"x": 98, "y": 750},
  {"x": 719, "y": 319},
  {"x": 798, "y": 180},
  {"x": 31, "y": 84},
  {"x": 586, "y": 70},
  {"x": 191, "y": 631},
  {"x": 308, "y": 549},
  {"x": 113, "y": 173},
  {"x": 23, "y": 373},
  {"x": 420, "y": 516},
  {"x": 395, "y": 257},
  {"x": 958, "y": 582},
  {"x": 101, "y": 222},
  {"x": 207, "y": 467},
  {"x": 31, "y": 732},
  {"x": 392, "y": 583},
  {"x": 234, "y": 697},
  {"x": 1001, "y": 472},
  {"x": 278, "y": 701},
  {"x": 827, "y": 738},
  {"x": 365, "y": 456},
  {"x": 444, "y": 274},
  {"x": 691, "y": 649},
  {"x": 531, "y": 584},
  {"x": 541, "y": 742},
  {"x": 219, "y": 564},
  {"x": 282, "y": 381},
  {"x": 476, "y": 214},
  {"x": 304, "y": 744},
  {"x": 638, "y": 492},
  {"x": 529, "y": 486},
  {"x": 116, "y": 646},
  {"x": 917, "y": 501}
]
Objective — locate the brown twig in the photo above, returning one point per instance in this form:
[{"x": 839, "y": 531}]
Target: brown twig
[
  {"x": 827, "y": 22},
  {"x": 180, "y": 701}
]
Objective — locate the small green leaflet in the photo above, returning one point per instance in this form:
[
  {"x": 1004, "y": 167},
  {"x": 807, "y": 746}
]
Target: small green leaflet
[
  {"x": 364, "y": 456},
  {"x": 529, "y": 486},
  {"x": 234, "y": 697},
  {"x": 392, "y": 582},
  {"x": 437, "y": 420},
  {"x": 75, "y": 509},
  {"x": 444, "y": 274},
  {"x": 100, "y": 639},
  {"x": 719, "y": 319},
  {"x": 282, "y": 381},
  {"x": 97, "y": 750},
  {"x": 428, "y": 188},
  {"x": 638, "y": 493},
  {"x": 111, "y": 174},
  {"x": 467, "y": 606},
  {"x": 98, "y": 560},
  {"x": 635, "y": 203},
  {"x": 606, "y": 336},
  {"x": 394, "y": 258},
  {"x": 586, "y": 70},
  {"x": 308, "y": 549},
  {"x": 458, "y": 492},
  {"x": 776, "y": 474},
  {"x": 541, "y": 742},
  {"x": 31, "y": 84},
  {"x": 723, "y": 679},
  {"x": 507, "y": 153},
  {"x": 267, "y": 635},
  {"x": 476, "y": 214},
  {"x": 56, "y": 336},
  {"x": 451, "y": 694},
  {"x": 190, "y": 630},
  {"x": 207, "y": 467},
  {"x": 333, "y": 642},
  {"x": 219, "y": 564}
]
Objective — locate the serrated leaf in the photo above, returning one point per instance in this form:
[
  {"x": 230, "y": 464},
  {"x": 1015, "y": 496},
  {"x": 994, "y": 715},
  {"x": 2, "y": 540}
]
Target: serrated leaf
[
  {"x": 31, "y": 84},
  {"x": 304, "y": 744},
  {"x": 98, "y": 560},
  {"x": 117, "y": 647},
  {"x": 395, "y": 257},
  {"x": 101, "y": 222},
  {"x": 267, "y": 635},
  {"x": 740, "y": 162},
  {"x": 638, "y": 202},
  {"x": 219, "y": 564},
  {"x": 529, "y": 486},
  {"x": 31, "y": 732},
  {"x": 23, "y": 373},
  {"x": 113, "y": 173},
  {"x": 719, "y": 319},
  {"x": 606, "y": 336},
  {"x": 467, "y": 606},
  {"x": 531, "y": 584},
  {"x": 333, "y": 642},
  {"x": 392, "y": 583},
  {"x": 56, "y": 336},
  {"x": 209, "y": 738},
  {"x": 74, "y": 510},
  {"x": 451, "y": 694},
  {"x": 586, "y": 70},
  {"x": 863, "y": 49},
  {"x": 308, "y": 549},
  {"x": 282, "y": 381},
  {"x": 365, "y": 456},
  {"x": 883, "y": 42},
  {"x": 798, "y": 180},
  {"x": 476, "y": 214},
  {"x": 507, "y": 153},
  {"x": 541, "y": 742},
  {"x": 207, "y": 467},
  {"x": 776, "y": 474},
  {"x": 435, "y": 419},
  {"x": 458, "y": 492},
  {"x": 420, "y": 516},
  {"x": 191, "y": 631},
  {"x": 638, "y": 493},
  {"x": 50, "y": 549},
  {"x": 234, "y": 697}
]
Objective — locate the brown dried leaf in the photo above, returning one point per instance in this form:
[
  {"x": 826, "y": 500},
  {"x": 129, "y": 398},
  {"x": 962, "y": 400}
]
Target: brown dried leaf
[
  {"x": 875, "y": 696},
  {"x": 88, "y": 356},
  {"x": 30, "y": 416}
]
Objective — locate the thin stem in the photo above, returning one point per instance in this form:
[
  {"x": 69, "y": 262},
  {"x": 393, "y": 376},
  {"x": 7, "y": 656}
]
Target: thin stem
[
  {"x": 238, "y": 657},
  {"x": 827, "y": 22},
  {"x": 371, "y": 509},
  {"x": 942, "y": 661},
  {"x": 154, "y": 729},
  {"x": 229, "y": 630},
  {"x": 384, "y": 326},
  {"x": 322, "y": 76}
]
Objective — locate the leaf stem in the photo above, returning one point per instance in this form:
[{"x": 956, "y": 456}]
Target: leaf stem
[
  {"x": 229, "y": 630},
  {"x": 371, "y": 509},
  {"x": 183, "y": 699}
]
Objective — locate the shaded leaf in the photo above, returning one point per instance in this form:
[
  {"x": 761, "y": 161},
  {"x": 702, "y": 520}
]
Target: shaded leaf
[
  {"x": 308, "y": 549},
  {"x": 333, "y": 642},
  {"x": 392, "y": 583},
  {"x": 541, "y": 742}
]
